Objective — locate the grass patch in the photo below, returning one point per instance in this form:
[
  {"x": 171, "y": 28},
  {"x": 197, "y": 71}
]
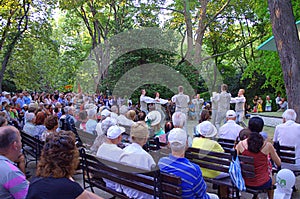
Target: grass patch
[{"x": 273, "y": 114}]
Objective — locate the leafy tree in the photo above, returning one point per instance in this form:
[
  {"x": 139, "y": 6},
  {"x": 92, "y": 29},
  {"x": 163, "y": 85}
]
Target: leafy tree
[{"x": 14, "y": 20}]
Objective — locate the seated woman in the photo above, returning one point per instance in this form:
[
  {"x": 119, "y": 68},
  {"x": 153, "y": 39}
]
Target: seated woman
[
  {"x": 204, "y": 116},
  {"x": 207, "y": 131},
  {"x": 58, "y": 163},
  {"x": 256, "y": 147},
  {"x": 192, "y": 112},
  {"x": 40, "y": 123},
  {"x": 51, "y": 124}
]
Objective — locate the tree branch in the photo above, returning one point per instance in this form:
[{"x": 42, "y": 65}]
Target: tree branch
[
  {"x": 230, "y": 51},
  {"x": 215, "y": 16}
]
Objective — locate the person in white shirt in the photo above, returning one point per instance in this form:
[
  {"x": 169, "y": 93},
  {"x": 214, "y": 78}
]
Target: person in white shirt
[
  {"x": 198, "y": 105},
  {"x": 230, "y": 130},
  {"x": 134, "y": 155},
  {"x": 239, "y": 101},
  {"x": 144, "y": 100},
  {"x": 110, "y": 151},
  {"x": 288, "y": 134},
  {"x": 181, "y": 101},
  {"x": 223, "y": 105}
]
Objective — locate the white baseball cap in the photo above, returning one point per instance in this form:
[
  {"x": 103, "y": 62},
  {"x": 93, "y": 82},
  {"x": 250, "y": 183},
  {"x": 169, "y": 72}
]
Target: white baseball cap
[
  {"x": 114, "y": 131},
  {"x": 177, "y": 135},
  {"x": 230, "y": 114}
]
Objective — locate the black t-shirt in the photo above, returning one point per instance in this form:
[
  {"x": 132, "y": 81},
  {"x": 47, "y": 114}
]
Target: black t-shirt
[{"x": 53, "y": 188}]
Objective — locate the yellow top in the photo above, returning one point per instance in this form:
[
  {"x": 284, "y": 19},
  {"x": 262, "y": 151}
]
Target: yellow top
[{"x": 209, "y": 145}]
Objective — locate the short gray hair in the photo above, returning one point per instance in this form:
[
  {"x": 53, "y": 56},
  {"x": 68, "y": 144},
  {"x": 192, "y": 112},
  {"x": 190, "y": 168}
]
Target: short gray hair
[
  {"x": 29, "y": 117},
  {"x": 114, "y": 109},
  {"x": 178, "y": 119},
  {"x": 91, "y": 112},
  {"x": 108, "y": 122},
  {"x": 290, "y": 114}
]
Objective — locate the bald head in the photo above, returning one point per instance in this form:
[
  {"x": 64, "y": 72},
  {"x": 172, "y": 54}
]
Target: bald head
[{"x": 8, "y": 135}]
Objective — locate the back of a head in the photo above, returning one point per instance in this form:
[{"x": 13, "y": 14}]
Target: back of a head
[
  {"x": 177, "y": 139},
  {"x": 114, "y": 109},
  {"x": 66, "y": 109},
  {"x": 108, "y": 122},
  {"x": 289, "y": 114},
  {"x": 60, "y": 156},
  {"x": 123, "y": 110},
  {"x": 51, "y": 122},
  {"x": 178, "y": 119},
  {"x": 131, "y": 114},
  {"x": 180, "y": 88},
  {"x": 255, "y": 142},
  {"x": 256, "y": 124},
  {"x": 205, "y": 115},
  {"x": 83, "y": 115},
  {"x": 244, "y": 134},
  {"x": 224, "y": 87},
  {"x": 8, "y": 135},
  {"x": 91, "y": 113},
  {"x": 29, "y": 117},
  {"x": 168, "y": 127},
  {"x": 141, "y": 116},
  {"x": 40, "y": 118},
  {"x": 138, "y": 132}
]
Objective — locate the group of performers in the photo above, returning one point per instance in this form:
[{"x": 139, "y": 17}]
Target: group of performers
[{"x": 220, "y": 104}]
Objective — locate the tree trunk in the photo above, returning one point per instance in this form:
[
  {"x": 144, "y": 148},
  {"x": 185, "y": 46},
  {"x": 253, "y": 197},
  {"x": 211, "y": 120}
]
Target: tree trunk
[{"x": 288, "y": 47}]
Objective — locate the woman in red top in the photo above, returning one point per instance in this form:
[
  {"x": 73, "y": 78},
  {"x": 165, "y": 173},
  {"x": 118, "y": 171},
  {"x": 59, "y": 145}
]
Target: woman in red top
[{"x": 256, "y": 147}]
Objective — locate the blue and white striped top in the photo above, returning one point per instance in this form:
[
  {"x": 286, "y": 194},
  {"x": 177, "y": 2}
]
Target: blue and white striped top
[{"x": 193, "y": 185}]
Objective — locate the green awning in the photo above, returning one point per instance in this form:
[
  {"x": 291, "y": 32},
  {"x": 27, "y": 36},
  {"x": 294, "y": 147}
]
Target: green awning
[{"x": 269, "y": 44}]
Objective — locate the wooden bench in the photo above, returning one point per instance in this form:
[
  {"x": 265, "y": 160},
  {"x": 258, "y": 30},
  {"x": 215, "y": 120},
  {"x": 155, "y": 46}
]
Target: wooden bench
[
  {"x": 220, "y": 162},
  {"x": 87, "y": 139},
  {"x": 154, "y": 144},
  {"x": 287, "y": 155},
  {"x": 153, "y": 182},
  {"x": 31, "y": 146},
  {"x": 226, "y": 144}
]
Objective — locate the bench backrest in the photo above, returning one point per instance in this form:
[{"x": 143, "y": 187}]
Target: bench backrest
[
  {"x": 86, "y": 138},
  {"x": 154, "y": 144},
  {"x": 154, "y": 183},
  {"x": 287, "y": 154},
  {"x": 32, "y": 142},
  {"x": 226, "y": 144},
  {"x": 219, "y": 161}
]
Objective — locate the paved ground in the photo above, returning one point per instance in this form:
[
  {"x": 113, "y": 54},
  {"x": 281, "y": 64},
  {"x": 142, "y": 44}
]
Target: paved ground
[{"x": 191, "y": 125}]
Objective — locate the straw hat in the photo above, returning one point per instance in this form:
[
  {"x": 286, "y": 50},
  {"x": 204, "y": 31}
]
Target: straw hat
[{"x": 154, "y": 118}]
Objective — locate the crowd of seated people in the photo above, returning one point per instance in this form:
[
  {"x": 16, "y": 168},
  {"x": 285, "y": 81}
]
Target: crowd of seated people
[{"x": 121, "y": 132}]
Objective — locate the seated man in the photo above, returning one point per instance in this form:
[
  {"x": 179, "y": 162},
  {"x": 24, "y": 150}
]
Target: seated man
[
  {"x": 13, "y": 183},
  {"x": 110, "y": 151},
  {"x": 134, "y": 155},
  {"x": 193, "y": 185},
  {"x": 288, "y": 134},
  {"x": 230, "y": 130}
]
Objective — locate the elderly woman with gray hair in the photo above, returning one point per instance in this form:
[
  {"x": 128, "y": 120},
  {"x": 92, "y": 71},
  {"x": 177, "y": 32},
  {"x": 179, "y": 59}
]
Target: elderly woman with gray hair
[
  {"x": 91, "y": 123},
  {"x": 29, "y": 126},
  {"x": 101, "y": 138}
]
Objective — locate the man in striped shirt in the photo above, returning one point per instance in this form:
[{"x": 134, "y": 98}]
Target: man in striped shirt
[
  {"x": 193, "y": 185},
  {"x": 13, "y": 183}
]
